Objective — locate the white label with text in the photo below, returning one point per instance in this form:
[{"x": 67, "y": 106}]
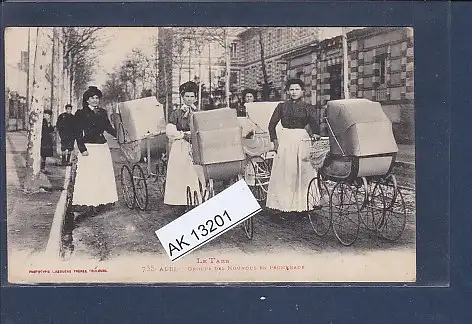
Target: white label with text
[{"x": 209, "y": 220}]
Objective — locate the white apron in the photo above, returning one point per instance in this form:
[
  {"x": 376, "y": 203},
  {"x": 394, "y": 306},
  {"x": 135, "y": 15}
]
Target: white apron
[
  {"x": 291, "y": 172},
  {"x": 180, "y": 174},
  {"x": 95, "y": 178}
]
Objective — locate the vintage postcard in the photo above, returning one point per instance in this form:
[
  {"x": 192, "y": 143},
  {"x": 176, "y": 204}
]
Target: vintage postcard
[{"x": 210, "y": 155}]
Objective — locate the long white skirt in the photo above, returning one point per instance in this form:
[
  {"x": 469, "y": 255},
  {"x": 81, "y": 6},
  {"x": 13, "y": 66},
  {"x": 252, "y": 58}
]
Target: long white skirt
[
  {"x": 291, "y": 172},
  {"x": 180, "y": 174},
  {"x": 95, "y": 179}
]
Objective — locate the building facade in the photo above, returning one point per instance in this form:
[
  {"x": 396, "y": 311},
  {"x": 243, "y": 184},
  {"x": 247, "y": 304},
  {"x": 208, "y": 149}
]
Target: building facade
[
  {"x": 276, "y": 42},
  {"x": 15, "y": 95},
  {"x": 381, "y": 68},
  {"x": 380, "y": 64},
  {"x": 199, "y": 55}
]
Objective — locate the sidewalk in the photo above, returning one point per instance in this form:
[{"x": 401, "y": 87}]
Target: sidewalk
[
  {"x": 29, "y": 216},
  {"x": 406, "y": 153}
]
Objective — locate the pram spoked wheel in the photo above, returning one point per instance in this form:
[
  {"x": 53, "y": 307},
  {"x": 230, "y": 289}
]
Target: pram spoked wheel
[
  {"x": 127, "y": 187},
  {"x": 140, "y": 186},
  {"x": 393, "y": 222},
  {"x": 161, "y": 173},
  {"x": 257, "y": 173},
  {"x": 248, "y": 226},
  {"x": 318, "y": 209},
  {"x": 373, "y": 206},
  {"x": 344, "y": 213},
  {"x": 190, "y": 201},
  {"x": 367, "y": 217}
]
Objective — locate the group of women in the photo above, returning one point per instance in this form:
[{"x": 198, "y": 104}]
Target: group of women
[{"x": 291, "y": 171}]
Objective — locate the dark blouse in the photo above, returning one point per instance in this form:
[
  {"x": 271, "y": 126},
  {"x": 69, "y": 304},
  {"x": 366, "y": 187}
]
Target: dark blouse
[
  {"x": 90, "y": 127},
  {"x": 241, "y": 111},
  {"x": 46, "y": 134},
  {"x": 293, "y": 114},
  {"x": 65, "y": 124},
  {"x": 180, "y": 119}
]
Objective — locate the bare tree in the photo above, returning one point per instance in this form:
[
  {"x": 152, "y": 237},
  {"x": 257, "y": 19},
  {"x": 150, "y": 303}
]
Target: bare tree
[
  {"x": 265, "y": 83},
  {"x": 170, "y": 50},
  {"x": 164, "y": 52},
  {"x": 39, "y": 94},
  {"x": 113, "y": 90},
  {"x": 80, "y": 46}
]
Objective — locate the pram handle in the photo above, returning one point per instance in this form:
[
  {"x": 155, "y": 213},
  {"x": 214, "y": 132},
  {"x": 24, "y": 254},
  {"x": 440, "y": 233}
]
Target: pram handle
[{"x": 335, "y": 138}]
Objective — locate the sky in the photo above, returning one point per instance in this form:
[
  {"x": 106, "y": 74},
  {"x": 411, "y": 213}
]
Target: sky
[{"x": 119, "y": 42}]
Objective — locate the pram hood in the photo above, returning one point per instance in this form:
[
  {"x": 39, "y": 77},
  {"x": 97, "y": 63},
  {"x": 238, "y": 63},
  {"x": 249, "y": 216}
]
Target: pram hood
[
  {"x": 216, "y": 136},
  {"x": 259, "y": 114},
  {"x": 136, "y": 126},
  {"x": 361, "y": 127}
]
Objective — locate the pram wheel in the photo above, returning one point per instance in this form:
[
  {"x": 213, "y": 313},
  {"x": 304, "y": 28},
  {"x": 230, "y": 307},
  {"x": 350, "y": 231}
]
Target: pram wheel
[
  {"x": 318, "y": 206},
  {"x": 372, "y": 204},
  {"x": 195, "y": 198},
  {"x": 344, "y": 213},
  {"x": 210, "y": 189},
  {"x": 140, "y": 186},
  {"x": 393, "y": 222},
  {"x": 389, "y": 188},
  {"x": 257, "y": 175},
  {"x": 161, "y": 172},
  {"x": 249, "y": 228},
  {"x": 376, "y": 206},
  {"x": 190, "y": 201},
  {"x": 127, "y": 187}
]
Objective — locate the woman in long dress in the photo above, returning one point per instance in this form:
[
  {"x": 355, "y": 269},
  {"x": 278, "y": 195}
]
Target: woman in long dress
[
  {"x": 95, "y": 178},
  {"x": 292, "y": 170},
  {"x": 248, "y": 95},
  {"x": 181, "y": 171},
  {"x": 46, "y": 139}
]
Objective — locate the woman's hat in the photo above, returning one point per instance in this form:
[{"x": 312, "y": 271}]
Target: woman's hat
[
  {"x": 188, "y": 86},
  {"x": 91, "y": 91},
  {"x": 251, "y": 91}
]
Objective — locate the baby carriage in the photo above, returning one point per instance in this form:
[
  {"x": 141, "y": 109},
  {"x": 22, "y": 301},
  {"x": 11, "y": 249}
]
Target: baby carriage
[
  {"x": 217, "y": 154},
  {"x": 355, "y": 183},
  {"x": 141, "y": 136},
  {"x": 258, "y": 147}
]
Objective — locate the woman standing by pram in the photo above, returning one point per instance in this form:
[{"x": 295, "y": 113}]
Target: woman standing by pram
[
  {"x": 181, "y": 171},
  {"x": 95, "y": 180},
  {"x": 292, "y": 170}
]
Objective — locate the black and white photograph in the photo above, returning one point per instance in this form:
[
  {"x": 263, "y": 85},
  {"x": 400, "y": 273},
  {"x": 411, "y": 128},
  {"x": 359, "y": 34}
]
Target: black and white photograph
[{"x": 112, "y": 133}]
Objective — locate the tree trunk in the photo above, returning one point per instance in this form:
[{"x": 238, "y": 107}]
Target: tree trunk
[
  {"x": 228, "y": 67},
  {"x": 53, "y": 62},
  {"x": 60, "y": 67},
  {"x": 28, "y": 77},
  {"x": 345, "y": 65},
  {"x": 71, "y": 79},
  {"x": 200, "y": 84},
  {"x": 265, "y": 84},
  {"x": 180, "y": 82},
  {"x": 38, "y": 94},
  {"x": 166, "y": 91}
]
